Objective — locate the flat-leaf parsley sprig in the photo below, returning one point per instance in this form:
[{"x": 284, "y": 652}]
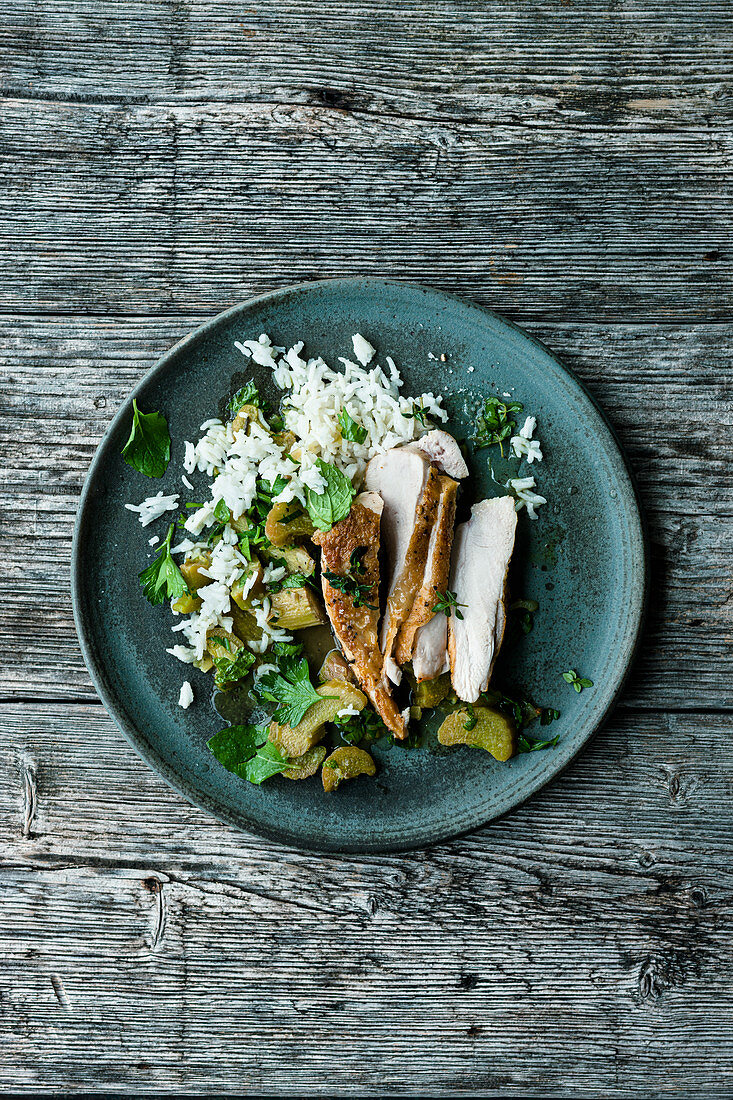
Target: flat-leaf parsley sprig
[
  {"x": 291, "y": 688},
  {"x": 148, "y": 450},
  {"x": 571, "y": 677},
  {"x": 163, "y": 578}
]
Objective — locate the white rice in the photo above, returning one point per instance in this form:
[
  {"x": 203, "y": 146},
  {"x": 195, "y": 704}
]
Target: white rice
[
  {"x": 153, "y": 508},
  {"x": 363, "y": 350},
  {"x": 186, "y": 697},
  {"x": 523, "y": 445},
  {"x": 522, "y": 488}
]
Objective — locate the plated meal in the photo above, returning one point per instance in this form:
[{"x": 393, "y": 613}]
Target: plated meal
[{"x": 335, "y": 574}]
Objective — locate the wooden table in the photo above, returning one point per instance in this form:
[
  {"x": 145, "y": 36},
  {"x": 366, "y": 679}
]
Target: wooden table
[{"x": 567, "y": 164}]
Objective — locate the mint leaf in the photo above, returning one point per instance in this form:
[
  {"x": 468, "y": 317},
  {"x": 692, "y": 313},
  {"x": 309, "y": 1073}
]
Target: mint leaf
[
  {"x": 246, "y": 751},
  {"x": 148, "y": 450},
  {"x": 163, "y": 578},
  {"x": 235, "y": 745},
  {"x": 248, "y": 395},
  {"x": 291, "y": 688},
  {"x": 334, "y": 503},
  {"x": 350, "y": 430},
  {"x": 266, "y": 762}
]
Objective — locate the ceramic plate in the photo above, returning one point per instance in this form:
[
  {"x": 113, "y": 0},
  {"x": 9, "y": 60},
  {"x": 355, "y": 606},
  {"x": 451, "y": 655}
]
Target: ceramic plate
[{"x": 583, "y": 560}]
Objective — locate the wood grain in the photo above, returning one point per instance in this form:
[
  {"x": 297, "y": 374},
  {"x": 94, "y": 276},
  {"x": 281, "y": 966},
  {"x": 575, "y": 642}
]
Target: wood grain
[
  {"x": 567, "y": 164},
  {"x": 664, "y": 389},
  {"x": 650, "y": 63},
  {"x": 145, "y": 942},
  {"x": 180, "y": 208}
]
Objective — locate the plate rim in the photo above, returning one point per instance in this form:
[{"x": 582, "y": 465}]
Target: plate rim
[{"x": 242, "y": 821}]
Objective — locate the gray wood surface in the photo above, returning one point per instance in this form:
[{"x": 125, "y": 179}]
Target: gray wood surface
[{"x": 567, "y": 164}]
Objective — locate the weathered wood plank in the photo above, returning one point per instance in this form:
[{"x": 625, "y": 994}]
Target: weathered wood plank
[
  {"x": 138, "y": 209},
  {"x": 148, "y": 947},
  {"x": 647, "y": 63},
  {"x": 665, "y": 390}
]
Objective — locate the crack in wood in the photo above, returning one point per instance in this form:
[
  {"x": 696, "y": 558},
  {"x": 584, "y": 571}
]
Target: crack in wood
[{"x": 29, "y": 785}]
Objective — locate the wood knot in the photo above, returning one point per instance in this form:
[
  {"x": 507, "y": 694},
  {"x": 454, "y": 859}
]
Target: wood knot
[{"x": 468, "y": 981}]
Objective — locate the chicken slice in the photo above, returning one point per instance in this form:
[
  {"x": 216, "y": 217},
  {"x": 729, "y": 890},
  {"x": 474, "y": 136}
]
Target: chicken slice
[
  {"x": 434, "y": 581},
  {"x": 430, "y": 652},
  {"x": 357, "y": 628},
  {"x": 440, "y": 448},
  {"x": 482, "y": 548},
  {"x": 410, "y": 489}
]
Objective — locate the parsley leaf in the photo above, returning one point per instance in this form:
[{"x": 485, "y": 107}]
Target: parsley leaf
[
  {"x": 229, "y": 670},
  {"x": 248, "y": 395},
  {"x": 448, "y": 604},
  {"x": 350, "y": 430},
  {"x": 291, "y": 688},
  {"x": 334, "y": 503},
  {"x": 163, "y": 577},
  {"x": 246, "y": 751},
  {"x": 571, "y": 677},
  {"x": 495, "y": 422},
  {"x": 148, "y": 450}
]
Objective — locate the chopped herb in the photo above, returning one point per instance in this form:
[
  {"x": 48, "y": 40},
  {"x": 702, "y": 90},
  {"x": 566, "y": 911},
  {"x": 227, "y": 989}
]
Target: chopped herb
[
  {"x": 530, "y": 744},
  {"x": 418, "y": 412},
  {"x": 229, "y": 670},
  {"x": 148, "y": 450},
  {"x": 360, "y": 593},
  {"x": 222, "y": 513},
  {"x": 350, "y": 430},
  {"x": 523, "y": 611},
  {"x": 291, "y": 688},
  {"x": 495, "y": 422},
  {"x": 287, "y": 649},
  {"x": 276, "y": 425},
  {"x": 248, "y": 395},
  {"x": 548, "y": 715},
  {"x": 471, "y": 720},
  {"x": 163, "y": 578},
  {"x": 356, "y": 562},
  {"x": 265, "y": 491},
  {"x": 448, "y": 604},
  {"x": 334, "y": 503},
  {"x": 294, "y": 580},
  {"x": 571, "y": 677},
  {"x": 364, "y": 726},
  {"x": 246, "y": 751}
]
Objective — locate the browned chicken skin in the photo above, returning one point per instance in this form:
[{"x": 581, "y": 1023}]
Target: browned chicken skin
[
  {"x": 357, "y": 628},
  {"x": 437, "y": 570}
]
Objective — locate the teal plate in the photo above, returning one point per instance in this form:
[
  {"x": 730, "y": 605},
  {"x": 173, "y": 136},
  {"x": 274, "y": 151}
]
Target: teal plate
[{"x": 583, "y": 560}]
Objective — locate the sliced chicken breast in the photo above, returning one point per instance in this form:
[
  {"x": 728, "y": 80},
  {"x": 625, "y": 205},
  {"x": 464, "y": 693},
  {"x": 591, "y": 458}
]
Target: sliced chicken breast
[
  {"x": 410, "y": 489},
  {"x": 434, "y": 582},
  {"x": 440, "y": 448},
  {"x": 354, "y": 614},
  {"x": 430, "y": 652},
  {"x": 482, "y": 548}
]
